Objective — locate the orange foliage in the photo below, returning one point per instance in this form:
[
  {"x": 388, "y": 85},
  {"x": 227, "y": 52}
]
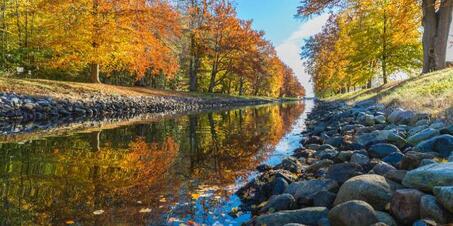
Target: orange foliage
[{"x": 119, "y": 35}]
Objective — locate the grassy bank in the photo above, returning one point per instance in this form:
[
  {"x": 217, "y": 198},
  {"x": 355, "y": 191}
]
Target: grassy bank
[
  {"x": 76, "y": 90},
  {"x": 431, "y": 93}
]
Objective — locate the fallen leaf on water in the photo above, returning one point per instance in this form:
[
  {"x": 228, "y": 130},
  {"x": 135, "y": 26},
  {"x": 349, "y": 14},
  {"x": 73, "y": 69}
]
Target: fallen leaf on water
[
  {"x": 145, "y": 210},
  {"x": 70, "y": 222},
  {"x": 98, "y": 212},
  {"x": 162, "y": 200},
  {"x": 172, "y": 220},
  {"x": 192, "y": 223}
]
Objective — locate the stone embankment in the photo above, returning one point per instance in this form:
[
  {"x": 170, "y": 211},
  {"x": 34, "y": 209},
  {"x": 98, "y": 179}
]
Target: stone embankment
[
  {"x": 359, "y": 166},
  {"x": 20, "y": 110}
]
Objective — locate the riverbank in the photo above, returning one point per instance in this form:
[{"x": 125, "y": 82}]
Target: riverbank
[
  {"x": 430, "y": 93},
  {"x": 363, "y": 164},
  {"x": 29, "y": 100}
]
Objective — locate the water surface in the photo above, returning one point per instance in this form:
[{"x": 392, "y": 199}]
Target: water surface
[{"x": 174, "y": 171}]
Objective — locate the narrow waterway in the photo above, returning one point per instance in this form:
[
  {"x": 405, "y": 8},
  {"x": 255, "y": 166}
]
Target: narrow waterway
[{"x": 177, "y": 170}]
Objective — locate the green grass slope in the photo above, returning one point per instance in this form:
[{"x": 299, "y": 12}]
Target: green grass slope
[{"x": 430, "y": 93}]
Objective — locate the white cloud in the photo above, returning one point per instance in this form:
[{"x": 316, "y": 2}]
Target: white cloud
[{"x": 289, "y": 50}]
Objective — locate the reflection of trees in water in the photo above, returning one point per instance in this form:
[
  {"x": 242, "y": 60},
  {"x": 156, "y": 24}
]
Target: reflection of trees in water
[{"x": 60, "y": 178}]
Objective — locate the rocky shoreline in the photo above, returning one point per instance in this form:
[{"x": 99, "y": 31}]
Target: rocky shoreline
[
  {"x": 360, "y": 165},
  {"x": 19, "y": 113}
]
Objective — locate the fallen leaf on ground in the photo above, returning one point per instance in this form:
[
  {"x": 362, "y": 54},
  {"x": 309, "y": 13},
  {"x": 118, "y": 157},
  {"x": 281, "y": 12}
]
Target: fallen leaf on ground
[
  {"x": 145, "y": 210},
  {"x": 98, "y": 212}
]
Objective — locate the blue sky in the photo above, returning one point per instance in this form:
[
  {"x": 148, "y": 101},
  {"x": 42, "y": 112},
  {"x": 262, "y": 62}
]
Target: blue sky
[{"x": 276, "y": 18}]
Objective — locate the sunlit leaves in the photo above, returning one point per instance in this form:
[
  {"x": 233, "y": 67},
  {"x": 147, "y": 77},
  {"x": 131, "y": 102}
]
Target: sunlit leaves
[{"x": 366, "y": 41}]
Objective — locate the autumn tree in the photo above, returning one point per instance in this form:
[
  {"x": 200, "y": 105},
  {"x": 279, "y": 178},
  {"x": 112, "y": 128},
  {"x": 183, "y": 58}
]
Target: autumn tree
[
  {"x": 437, "y": 17},
  {"x": 365, "y": 40},
  {"x": 291, "y": 86},
  {"x": 109, "y": 33},
  {"x": 195, "y": 29}
]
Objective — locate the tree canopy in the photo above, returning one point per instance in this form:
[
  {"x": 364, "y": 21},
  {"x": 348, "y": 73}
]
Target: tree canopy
[
  {"x": 196, "y": 45},
  {"x": 365, "y": 41}
]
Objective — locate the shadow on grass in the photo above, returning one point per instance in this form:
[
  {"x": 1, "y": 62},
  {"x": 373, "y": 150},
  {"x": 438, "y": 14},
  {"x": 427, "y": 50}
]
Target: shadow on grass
[{"x": 383, "y": 90}]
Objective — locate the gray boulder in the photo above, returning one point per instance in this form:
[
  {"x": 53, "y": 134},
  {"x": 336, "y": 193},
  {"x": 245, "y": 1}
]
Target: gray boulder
[
  {"x": 373, "y": 189},
  {"x": 396, "y": 175},
  {"x": 324, "y": 198},
  {"x": 382, "y": 150},
  {"x": 394, "y": 159},
  {"x": 344, "y": 156},
  {"x": 444, "y": 194},
  {"x": 401, "y": 116},
  {"x": 422, "y": 135},
  {"x": 304, "y": 191},
  {"x": 430, "y": 208},
  {"x": 427, "y": 177},
  {"x": 290, "y": 164},
  {"x": 405, "y": 205},
  {"x": 308, "y": 216},
  {"x": 325, "y": 163},
  {"x": 365, "y": 119},
  {"x": 326, "y": 154},
  {"x": 353, "y": 213},
  {"x": 425, "y": 222},
  {"x": 386, "y": 218},
  {"x": 278, "y": 203},
  {"x": 390, "y": 136},
  {"x": 360, "y": 159},
  {"x": 382, "y": 168},
  {"x": 380, "y": 119},
  {"x": 280, "y": 185},
  {"x": 442, "y": 144},
  {"x": 341, "y": 172},
  {"x": 416, "y": 129}
]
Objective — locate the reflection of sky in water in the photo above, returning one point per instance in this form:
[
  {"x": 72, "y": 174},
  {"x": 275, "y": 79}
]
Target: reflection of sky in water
[{"x": 217, "y": 214}]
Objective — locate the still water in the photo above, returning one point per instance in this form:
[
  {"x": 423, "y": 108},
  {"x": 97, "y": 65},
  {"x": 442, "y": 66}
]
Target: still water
[{"x": 177, "y": 171}]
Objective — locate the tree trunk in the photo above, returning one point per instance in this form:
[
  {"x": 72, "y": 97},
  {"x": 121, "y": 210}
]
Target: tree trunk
[
  {"x": 94, "y": 67},
  {"x": 4, "y": 33},
  {"x": 241, "y": 86},
  {"x": 94, "y": 73},
  {"x": 384, "y": 49},
  {"x": 435, "y": 35},
  {"x": 193, "y": 66},
  {"x": 213, "y": 76}
]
